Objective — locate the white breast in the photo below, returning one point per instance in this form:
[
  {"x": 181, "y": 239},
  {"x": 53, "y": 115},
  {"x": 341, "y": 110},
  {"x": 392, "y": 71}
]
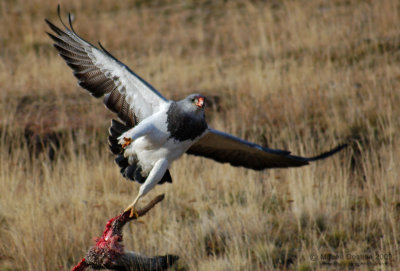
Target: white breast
[
  {"x": 157, "y": 144},
  {"x": 149, "y": 153}
]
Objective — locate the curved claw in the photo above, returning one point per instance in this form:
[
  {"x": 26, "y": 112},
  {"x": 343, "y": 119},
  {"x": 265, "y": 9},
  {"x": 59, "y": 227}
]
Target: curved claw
[
  {"x": 127, "y": 142},
  {"x": 132, "y": 212}
]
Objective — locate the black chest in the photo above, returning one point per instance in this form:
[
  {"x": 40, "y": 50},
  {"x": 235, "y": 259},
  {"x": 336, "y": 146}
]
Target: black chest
[{"x": 182, "y": 125}]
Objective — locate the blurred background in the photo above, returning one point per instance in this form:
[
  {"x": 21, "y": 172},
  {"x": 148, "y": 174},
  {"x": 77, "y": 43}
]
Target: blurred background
[{"x": 297, "y": 75}]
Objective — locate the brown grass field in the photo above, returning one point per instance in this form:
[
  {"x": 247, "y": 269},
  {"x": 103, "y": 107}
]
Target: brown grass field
[{"x": 297, "y": 75}]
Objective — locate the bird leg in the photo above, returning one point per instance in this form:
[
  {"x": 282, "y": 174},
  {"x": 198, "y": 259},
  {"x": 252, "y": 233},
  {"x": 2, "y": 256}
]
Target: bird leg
[
  {"x": 132, "y": 208},
  {"x": 155, "y": 175},
  {"x": 139, "y": 130}
]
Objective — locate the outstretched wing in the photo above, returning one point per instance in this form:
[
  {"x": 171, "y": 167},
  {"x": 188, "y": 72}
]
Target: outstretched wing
[
  {"x": 125, "y": 93},
  {"x": 225, "y": 148}
]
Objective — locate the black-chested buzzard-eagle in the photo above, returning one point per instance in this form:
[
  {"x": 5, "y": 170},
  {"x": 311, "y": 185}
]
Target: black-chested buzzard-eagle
[{"x": 153, "y": 131}]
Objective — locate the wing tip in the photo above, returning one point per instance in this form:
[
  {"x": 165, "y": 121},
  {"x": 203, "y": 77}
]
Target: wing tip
[
  {"x": 53, "y": 26},
  {"x": 328, "y": 153},
  {"x": 58, "y": 30},
  {"x": 59, "y": 16}
]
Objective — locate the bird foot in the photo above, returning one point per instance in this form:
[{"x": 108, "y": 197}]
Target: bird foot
[
  {"x": 132, "y": 212},
  {"x": 127, "y": 142}
]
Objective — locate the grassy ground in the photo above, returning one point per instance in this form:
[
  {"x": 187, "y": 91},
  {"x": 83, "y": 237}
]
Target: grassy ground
[{"x": 297, "y": 75}]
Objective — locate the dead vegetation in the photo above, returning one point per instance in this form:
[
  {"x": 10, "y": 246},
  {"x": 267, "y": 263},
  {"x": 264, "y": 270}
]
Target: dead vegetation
[{"x": 298, "y": 75}]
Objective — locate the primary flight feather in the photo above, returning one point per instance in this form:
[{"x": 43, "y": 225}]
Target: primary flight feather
[{"x": 153, "y": 131}]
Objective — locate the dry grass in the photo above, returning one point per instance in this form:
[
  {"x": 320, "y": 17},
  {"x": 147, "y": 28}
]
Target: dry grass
[{"x": 299, "y": 75}]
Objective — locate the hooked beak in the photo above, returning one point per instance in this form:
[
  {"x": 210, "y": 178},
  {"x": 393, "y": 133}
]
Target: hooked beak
[{"x": 200, "y": 101}]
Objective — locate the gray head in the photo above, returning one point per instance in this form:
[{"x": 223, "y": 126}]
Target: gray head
[
  {"x": 194, "y": 103},
  {"x": 186, "y": 118}
]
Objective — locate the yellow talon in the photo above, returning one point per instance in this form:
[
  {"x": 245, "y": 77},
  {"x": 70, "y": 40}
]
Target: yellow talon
[
  {"x": 132, "y": 212},
  {"x": 127, "y": 142}
]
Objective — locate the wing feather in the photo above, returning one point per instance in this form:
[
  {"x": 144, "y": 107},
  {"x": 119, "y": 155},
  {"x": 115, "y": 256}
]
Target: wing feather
[
  {"x": 225, "y": 148},
  {"x": 125, "y": 93}
]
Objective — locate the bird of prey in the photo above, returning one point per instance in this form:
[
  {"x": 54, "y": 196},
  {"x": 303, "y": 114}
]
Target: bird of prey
[{"x": 153, "y": 131}]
